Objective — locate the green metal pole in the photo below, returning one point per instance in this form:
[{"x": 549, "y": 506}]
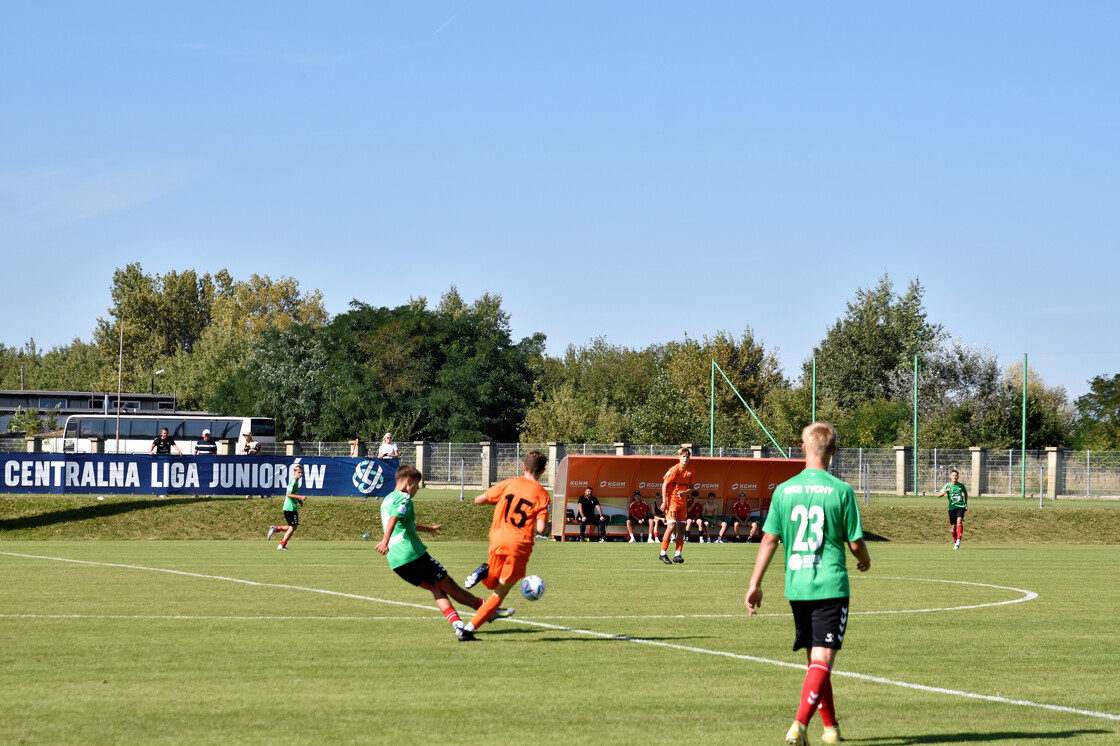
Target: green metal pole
[
  {"x": 814, "y": 388},
  {"x": 1023, "y": 457},
  {"x": 748, "y": 406},
  {"x": 712, "y": 421},
  {"x": 914, "y": 462}
]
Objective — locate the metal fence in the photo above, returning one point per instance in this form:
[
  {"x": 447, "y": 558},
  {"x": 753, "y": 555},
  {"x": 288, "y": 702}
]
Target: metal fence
[{"x": 1080, "y": 473}]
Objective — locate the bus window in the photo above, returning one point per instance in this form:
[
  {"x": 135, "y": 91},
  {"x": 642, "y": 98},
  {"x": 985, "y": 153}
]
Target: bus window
[
  {"x": 262, "y": 428},
  {"x": 192, "y": 429},
  {"x": 141, "y": 430},
  {"x": 92, "y": 429},
  {"x": 177, "y": 429},
  {"x": 226, "y": 429}
]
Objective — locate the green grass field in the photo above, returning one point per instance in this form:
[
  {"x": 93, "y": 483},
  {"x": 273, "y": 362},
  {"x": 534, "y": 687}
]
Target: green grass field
[{"x": 234, "y": 642}]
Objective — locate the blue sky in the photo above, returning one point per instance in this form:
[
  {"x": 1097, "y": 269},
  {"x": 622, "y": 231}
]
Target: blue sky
[{"x": 635, "y": 171}]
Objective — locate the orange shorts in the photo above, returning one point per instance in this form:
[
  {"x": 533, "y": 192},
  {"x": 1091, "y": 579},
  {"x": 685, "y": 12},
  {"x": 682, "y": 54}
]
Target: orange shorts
[
  {"x": 676, "y": 514},
  {"x": 508, "y": 567}
]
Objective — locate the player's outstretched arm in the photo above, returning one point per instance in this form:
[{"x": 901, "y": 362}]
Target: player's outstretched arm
[
  {"x": 766, "y": 550},
  {"x": 383, "y": 545},
  {"x": 863, "y": 557},
  {"x": 481, "y": 499},
  {"x": 430, "y": 529}
]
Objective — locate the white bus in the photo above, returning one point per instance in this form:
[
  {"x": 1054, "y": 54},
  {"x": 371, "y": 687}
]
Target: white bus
[{"x": 137, "y": 431}]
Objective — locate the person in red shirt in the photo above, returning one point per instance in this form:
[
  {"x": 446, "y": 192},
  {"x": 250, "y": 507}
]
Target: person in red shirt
[
  {"x": 675, "y": 487},
  {"x": 637, "y": 515},
  {"x": 520, "y": 512},
  {"x": 742, "y": 512}
]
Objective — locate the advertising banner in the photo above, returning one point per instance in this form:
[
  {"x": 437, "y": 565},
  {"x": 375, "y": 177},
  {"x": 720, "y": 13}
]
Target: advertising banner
[{"x": 103, "y": 474}]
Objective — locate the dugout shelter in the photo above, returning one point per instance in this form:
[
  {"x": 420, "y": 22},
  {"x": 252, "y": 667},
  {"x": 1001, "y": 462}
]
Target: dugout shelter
[{"x": 613, "y": 479}]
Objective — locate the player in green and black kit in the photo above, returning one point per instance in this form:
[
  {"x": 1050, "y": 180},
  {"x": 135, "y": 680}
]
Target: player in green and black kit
[
  {"x": 292, "y": 503},
  {"x": 409, "y": 558},
  {"x": 958, "y": 504},
  {"x": 815, "y": 515}
]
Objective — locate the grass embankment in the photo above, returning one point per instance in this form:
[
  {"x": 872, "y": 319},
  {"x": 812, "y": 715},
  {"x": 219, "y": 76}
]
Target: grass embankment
[{"x": 38, "y": 517}]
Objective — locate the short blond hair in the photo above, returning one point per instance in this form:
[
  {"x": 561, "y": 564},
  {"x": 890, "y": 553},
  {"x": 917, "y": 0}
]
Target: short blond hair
[
  {"x": 819, "y": 439},
  {"x": 685, "y": 452}
]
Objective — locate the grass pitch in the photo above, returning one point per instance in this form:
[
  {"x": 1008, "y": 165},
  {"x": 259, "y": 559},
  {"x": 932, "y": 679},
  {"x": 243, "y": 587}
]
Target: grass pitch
[{"x": 234, "y": 642}]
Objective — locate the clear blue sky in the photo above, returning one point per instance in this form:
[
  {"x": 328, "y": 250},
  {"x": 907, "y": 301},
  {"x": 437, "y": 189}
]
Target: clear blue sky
[{"x": 639, "y": 171}]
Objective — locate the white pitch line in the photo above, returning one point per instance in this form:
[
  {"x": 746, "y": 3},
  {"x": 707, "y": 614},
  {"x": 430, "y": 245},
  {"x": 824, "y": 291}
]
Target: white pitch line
[
  {"x": 212, "y": 617},
  {"x": 625, "y": 638}
]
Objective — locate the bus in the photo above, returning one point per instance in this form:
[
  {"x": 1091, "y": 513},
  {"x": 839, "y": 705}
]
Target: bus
[{"x": 137, "y": 431}]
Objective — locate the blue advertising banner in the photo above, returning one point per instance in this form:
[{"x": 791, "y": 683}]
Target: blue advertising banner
[{"x": 87, "y": 474}]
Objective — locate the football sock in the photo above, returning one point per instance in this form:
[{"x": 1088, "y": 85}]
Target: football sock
[
  {"x": 451, "y": 615},
  {"x": 485, "y": 611},
  {"x": 678, "y": 552},
  {"x": 680, "y": 545},
  {"x": 960, "y": 532},
  {"x": 665, "y": 543},
  {"x": 815, "y": 679},
  {"x": 825, "y": 707},
  {"x": 284, "y": 543},
  {"x": 477, "y": 604}
]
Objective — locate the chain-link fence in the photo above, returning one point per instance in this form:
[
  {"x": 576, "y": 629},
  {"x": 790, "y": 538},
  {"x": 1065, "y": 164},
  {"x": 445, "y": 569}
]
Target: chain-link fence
[{"x": 1090, "y": 473}]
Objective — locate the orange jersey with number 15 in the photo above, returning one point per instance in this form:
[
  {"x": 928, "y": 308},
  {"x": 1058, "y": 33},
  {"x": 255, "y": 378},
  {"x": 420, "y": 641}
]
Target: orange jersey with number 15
[{"x": 519, "y": 502}]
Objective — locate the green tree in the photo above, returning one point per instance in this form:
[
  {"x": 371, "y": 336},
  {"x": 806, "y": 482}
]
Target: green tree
[
  {"x": 31, "y": 422},
  {"x": 1098, "y": 415},
  {"x": 878, "y": 337}
]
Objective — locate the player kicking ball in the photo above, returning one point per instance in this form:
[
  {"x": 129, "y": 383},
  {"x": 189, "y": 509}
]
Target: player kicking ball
[
  {"x": 815, "y": 515},
  {"x": 520, "y": 512},
  {"x": 409, "y": 558}
]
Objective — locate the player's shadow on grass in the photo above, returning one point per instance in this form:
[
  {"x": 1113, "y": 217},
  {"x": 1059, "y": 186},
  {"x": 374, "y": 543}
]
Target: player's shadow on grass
[
  {"x": 978, "y": 737},
  {"x": 871, "y": 536},
  {"x": 89, "y": 512}
]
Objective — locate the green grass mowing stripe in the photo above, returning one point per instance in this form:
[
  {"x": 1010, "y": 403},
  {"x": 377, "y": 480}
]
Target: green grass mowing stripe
[{"x": 1028, "y": 595}]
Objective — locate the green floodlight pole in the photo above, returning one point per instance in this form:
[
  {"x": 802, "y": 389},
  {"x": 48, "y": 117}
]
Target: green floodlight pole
[
  {"x": 1023, "y": 456},
  {"x": 748, "y": 406},
  {"x": 814, "y": 388},
  {"x": 712, "y": 427},
  {"x": 914, "y": 460}
]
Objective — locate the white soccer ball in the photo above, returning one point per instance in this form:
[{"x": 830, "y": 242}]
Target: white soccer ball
[{"x": 532, "y": 587}]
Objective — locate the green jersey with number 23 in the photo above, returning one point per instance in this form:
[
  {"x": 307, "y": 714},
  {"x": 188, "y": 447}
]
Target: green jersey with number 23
[{"x": 815, "y": 515}]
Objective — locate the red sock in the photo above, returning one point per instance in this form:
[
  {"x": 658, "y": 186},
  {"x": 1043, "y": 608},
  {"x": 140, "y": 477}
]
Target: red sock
[
  {"x": 815, "y": 679},
  {"x": 477, "y": 604},
  {"x": 960, "y": 532},
  {"x": 825, "y": 708},
  {"x": 284, "y": 543},
  {"x": 451, "y": 615}
]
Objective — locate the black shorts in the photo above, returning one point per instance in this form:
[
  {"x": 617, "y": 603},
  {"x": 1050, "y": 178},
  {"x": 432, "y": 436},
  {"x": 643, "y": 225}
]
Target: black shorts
[
  {"x": 292, "y": 517},
  {"x": 819, "y": 624},
  {"x": 639, "y": 521},
  {"x": 954, "y": 514},
  {"x": 423, "y": 569}
]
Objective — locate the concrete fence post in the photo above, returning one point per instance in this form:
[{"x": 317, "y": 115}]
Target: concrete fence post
[
  {"x": 903, "y": 468},
  {"x": 1055, "y": 472},
  {"x": 423, "y": 456},
  {"x": 489, "y": 463},
  {"x": 979, "y": 470}
]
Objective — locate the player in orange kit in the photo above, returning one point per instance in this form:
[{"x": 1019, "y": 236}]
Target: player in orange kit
[
  {"x": 521, "y": 511},
  {"x": 675, "y": 487}
]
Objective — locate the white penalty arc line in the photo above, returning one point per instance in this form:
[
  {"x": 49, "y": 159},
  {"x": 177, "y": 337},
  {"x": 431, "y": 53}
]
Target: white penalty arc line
[{"x": 620, "y": 638}]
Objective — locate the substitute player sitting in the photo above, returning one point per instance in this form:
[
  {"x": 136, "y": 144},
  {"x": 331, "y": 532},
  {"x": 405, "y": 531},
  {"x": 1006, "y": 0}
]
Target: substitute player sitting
[
  {"x": 656, "y": 519},
  {"x": 521, "y": 510},
  {"x": 741, "y": 511},
  {"x": 816, "y": 516},
  {"x": 694, "y": 509},
  {"x": 712, "y": 518},
  {"x": 409, "y": 558},
  {"x": 637, "y": 514},
  {"x": 675, "y": 487}
]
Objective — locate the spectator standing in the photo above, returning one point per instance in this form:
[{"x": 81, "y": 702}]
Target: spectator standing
[
  {"x": 250, "y": 447},
  {"x": 387, "y": 449},
  {"x": 206, "y": 446},
  {"x": 162, "y": 445},
  {"x": 590, "y": 512}
]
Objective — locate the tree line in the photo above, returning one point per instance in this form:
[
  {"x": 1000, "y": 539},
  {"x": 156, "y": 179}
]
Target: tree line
[{"x": 452, "y": 372}]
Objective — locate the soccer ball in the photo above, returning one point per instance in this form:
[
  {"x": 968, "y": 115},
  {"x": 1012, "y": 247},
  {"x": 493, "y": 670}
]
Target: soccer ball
[{"x": 532, "y": 587}]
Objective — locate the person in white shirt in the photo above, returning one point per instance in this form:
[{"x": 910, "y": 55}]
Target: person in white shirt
[{"x": 387, "y": 449}]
